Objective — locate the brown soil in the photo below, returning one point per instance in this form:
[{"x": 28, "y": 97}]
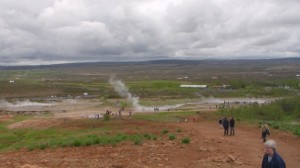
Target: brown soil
[{"x": 208, "y": 148}]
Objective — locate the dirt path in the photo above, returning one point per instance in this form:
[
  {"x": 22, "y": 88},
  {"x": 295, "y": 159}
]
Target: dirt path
[
  {"x": 208, "y": 149},
  {"x": 246, "y": 146}
]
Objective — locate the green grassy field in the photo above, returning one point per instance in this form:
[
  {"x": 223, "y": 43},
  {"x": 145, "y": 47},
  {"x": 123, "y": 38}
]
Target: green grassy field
[
  {"x": 83, "y": 132},
  {"x": 87, "y": 133}
]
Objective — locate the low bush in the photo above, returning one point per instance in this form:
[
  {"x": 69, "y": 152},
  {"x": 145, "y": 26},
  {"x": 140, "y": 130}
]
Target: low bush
[
  {"x": 186, "y": 140},
  {"x": 77, "y": 142},
  {"x": 165, "y": 131},
  {"x": 150, "y": 136},
  {"x": 172, "y": 136},
  {"x": 88, "y": 143},
  {"x": 43, "y": 146},
  {"x": 297, "y": 131}
]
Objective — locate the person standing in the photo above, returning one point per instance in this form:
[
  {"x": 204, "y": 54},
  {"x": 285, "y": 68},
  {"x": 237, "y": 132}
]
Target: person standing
[
  {"x": 220, "y": 122},
  {"x": 231, "y": 125},
  {"x": 265, "y": 130},
  {"x": 225, "y": 125},
  {"x": 130, "y": 114},
  {"x": 271, "y": 158}
]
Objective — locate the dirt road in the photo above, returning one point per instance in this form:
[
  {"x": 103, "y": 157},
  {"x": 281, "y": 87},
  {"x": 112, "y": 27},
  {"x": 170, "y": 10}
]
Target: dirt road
[{"x": 208, "y": 149}]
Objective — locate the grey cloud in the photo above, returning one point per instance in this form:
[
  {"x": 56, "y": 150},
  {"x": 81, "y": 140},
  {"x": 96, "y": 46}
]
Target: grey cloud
[{"x": 57, "y": 31}]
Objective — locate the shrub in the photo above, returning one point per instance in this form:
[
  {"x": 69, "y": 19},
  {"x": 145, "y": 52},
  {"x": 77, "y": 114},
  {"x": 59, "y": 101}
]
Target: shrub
[
  {"x": 297, "y": 132},
  {"x": 88, "y": 143},
  {"x": 43, "y": 146},
  {"x": 64, "y": 145},
  {"x": 185, "y": 140},
  {"x": 148, "y": 136},
  {"x": 77, "y": 142},
  {"x": 172, "y": 136},
  {"x": 120, "y": 138},
  {"x": 96, "y": 141},
  {"x": 165, "y": 131},
  {"x": 137, "y": 139}
]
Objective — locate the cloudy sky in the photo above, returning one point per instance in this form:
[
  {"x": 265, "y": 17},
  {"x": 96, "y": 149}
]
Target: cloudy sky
[{"x": 61, "y": 31}]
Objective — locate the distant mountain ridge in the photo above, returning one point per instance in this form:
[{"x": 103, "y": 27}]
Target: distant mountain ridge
[{"x": 215, "y": 62}]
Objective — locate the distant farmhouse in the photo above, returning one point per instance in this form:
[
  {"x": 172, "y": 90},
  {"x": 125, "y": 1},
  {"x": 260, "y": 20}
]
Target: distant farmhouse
[{"x": 194, "y": 86}]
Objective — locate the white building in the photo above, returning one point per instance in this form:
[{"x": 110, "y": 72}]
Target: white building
[{"x": 194, "y": 86}]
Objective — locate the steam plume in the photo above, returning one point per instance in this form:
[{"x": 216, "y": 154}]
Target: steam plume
[{"x": 122, "y": 90}]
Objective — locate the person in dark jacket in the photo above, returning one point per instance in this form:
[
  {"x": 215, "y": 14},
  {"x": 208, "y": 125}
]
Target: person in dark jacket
[
  {"x": 265, "y": 131},
  {"x": 231, "y": 126},
  {"x": 220, "y": 122},
  {"x": 271, "y": 158},
  {"x": 225, "y": 125}
]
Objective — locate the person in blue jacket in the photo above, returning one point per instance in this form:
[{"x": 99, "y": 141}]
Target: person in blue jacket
[{"x": 271, "y": 158}]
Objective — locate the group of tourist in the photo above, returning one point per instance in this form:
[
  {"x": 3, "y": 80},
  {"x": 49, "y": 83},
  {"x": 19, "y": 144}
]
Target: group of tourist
[
  {"x": 227, "y": 124},
  {"x": 271, "y": 158}
]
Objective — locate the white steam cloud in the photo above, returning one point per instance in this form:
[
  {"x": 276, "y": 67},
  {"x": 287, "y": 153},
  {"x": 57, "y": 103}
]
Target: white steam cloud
[
  {"x": 123, "y": 91},
  {"x": 25, "y": 105}
]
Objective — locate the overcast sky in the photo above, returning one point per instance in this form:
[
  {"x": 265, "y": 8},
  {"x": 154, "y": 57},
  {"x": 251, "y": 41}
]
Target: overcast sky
[{"x": 61, "y": 31}]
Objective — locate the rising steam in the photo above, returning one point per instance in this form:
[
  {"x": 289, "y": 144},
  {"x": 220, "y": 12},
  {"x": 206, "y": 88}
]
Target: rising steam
[{"x": 123, "y": 91}]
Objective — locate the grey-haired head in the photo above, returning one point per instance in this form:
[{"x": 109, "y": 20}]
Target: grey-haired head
[{"x": 271, "y": 143}]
